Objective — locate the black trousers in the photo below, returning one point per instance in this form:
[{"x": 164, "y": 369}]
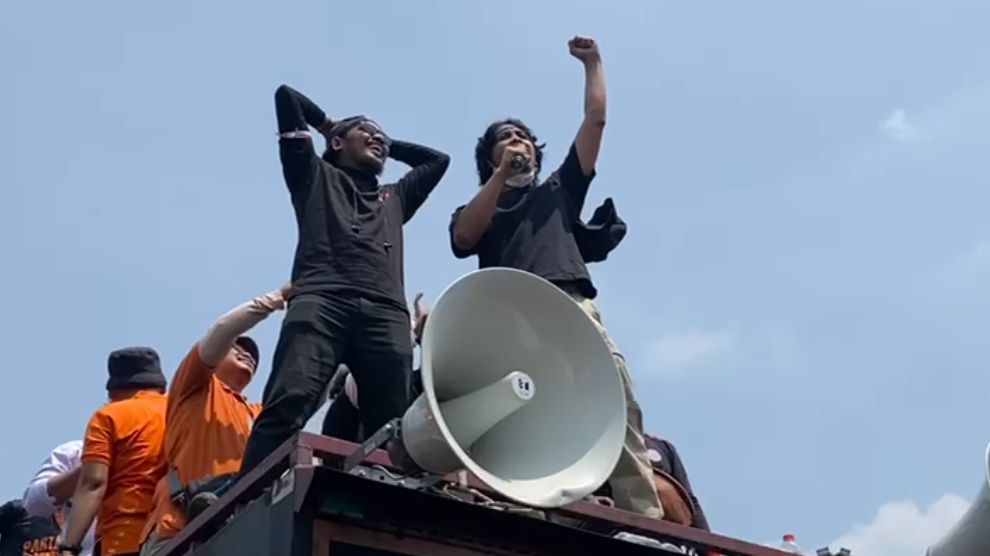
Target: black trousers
[{"x": 319, "y": 332}]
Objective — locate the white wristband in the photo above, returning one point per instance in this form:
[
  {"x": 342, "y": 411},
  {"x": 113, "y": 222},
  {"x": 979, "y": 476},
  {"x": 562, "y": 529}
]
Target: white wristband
[{"x": 296, "y": 135}]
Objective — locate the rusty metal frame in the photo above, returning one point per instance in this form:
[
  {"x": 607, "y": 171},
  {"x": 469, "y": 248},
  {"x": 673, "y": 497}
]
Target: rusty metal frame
[{"x": 292, "y": 467}]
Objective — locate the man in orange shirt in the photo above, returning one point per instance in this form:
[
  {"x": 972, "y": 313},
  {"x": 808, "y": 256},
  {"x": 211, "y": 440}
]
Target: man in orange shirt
[
  {"x": 122, "y": 457},
  {"x": 209, "y": 420}
]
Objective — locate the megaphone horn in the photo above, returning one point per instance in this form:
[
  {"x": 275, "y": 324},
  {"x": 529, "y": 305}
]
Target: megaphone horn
[
  {"x": 519, "y": 388},
  {"x": 970, "y": 536}
]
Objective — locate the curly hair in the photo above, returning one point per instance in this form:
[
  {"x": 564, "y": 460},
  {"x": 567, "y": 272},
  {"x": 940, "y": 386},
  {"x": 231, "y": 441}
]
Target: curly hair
[{"x": 483, "y": 150}]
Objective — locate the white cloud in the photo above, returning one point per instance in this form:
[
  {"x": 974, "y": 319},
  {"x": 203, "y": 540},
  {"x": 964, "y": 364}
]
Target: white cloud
[
  {"x": 679, "y": 352},
  {"x": 897, "y": 127},
  {"x": 903, "y": 529}
]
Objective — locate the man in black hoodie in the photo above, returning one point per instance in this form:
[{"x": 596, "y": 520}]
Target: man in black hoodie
[{"x": 348, "y": 302}]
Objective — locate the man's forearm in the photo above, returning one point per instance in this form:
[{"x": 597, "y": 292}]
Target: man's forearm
[
  {"x": 86, "y": 503},
  {"x": 594, "y": 92},
  {"x": 413, "y": 154},
  {"x": 55, "y": 482},
  {"x": 294, "y": 111},
  {"x": 61, "y": 487},
  {"x": 477, "y": 214},
  {"x": 217, "y": 341},
  {"x": 427, "y": 169},
  {"x": 588, "y": 141}
]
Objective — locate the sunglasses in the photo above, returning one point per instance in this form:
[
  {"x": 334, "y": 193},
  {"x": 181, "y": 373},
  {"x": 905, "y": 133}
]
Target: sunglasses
[{"x": 372, "y": 129}]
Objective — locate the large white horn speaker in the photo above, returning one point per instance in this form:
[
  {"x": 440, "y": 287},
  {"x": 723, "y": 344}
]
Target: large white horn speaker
[
  {"x": 971, "y": 534},
  {"x": 519, "y": 388}
]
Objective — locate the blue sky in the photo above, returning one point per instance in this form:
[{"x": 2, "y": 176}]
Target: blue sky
[{"x": 802, "y": 295}]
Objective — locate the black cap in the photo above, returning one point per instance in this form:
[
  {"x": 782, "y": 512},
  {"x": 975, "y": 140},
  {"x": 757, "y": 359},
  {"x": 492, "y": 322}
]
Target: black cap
[
  {"x": 250, "y": 346},
  {"x": 134, "y": 367}
]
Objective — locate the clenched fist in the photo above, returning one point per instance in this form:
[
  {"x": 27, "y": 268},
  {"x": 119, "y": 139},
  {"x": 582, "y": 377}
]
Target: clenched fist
[{"x": 584, "y": 49}]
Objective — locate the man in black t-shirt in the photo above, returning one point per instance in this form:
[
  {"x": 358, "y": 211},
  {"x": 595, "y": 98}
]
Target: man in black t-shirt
[
  {"x": 23, "y": 535},
  {"x": 516, "y": 221},
  {"x": 348, "y": 299}
]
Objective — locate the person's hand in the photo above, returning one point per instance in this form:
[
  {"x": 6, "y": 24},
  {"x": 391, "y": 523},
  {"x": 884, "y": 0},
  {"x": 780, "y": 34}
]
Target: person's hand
[
  {"x": 505, "y": 165},
  {"x": 584, "y": 49},
  {"x": 276, "y": 300},
  {"x": 325, "y": 128},
  {"x": 420, "y": 312},
  {"x": 282, "y": 295},
  {"x": 418, "y": 307}
]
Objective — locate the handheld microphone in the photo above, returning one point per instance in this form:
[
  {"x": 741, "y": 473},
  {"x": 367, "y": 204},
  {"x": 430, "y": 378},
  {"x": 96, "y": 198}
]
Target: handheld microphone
[{"x": 519, "y": 163}]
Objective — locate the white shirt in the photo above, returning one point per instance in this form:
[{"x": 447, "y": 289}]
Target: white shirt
[{"x": 37, "y": 502}]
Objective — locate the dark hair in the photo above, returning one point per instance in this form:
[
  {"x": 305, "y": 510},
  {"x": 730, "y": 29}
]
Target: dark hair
[
  {"x": 483, "y": 150},
  {"x": 339, "y": 129},
  {"x": 330, "y": 155}
]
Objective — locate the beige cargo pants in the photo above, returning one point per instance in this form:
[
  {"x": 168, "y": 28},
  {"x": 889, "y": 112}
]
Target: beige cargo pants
[{"x": 631, "y": 482}]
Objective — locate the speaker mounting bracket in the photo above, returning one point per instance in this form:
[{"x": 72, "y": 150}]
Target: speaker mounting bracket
[
  {"x": 381, "y": 475},
  {"x": 390, "y": 432},
  {"x": 380, "y": 438}
]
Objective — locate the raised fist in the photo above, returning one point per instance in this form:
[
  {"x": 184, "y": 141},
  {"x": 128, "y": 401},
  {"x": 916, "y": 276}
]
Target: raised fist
[{"x": 584, "y": 49}]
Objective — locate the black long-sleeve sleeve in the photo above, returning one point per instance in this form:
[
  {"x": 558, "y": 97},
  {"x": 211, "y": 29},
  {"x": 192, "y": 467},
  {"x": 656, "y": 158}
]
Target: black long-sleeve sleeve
[
  {"x": 428, "y": 167},
  {"x": 294, "y": 111}
]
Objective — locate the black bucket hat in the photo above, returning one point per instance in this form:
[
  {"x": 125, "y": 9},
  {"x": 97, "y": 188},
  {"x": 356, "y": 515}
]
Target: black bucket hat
[{"x": 135, "y": 367}]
